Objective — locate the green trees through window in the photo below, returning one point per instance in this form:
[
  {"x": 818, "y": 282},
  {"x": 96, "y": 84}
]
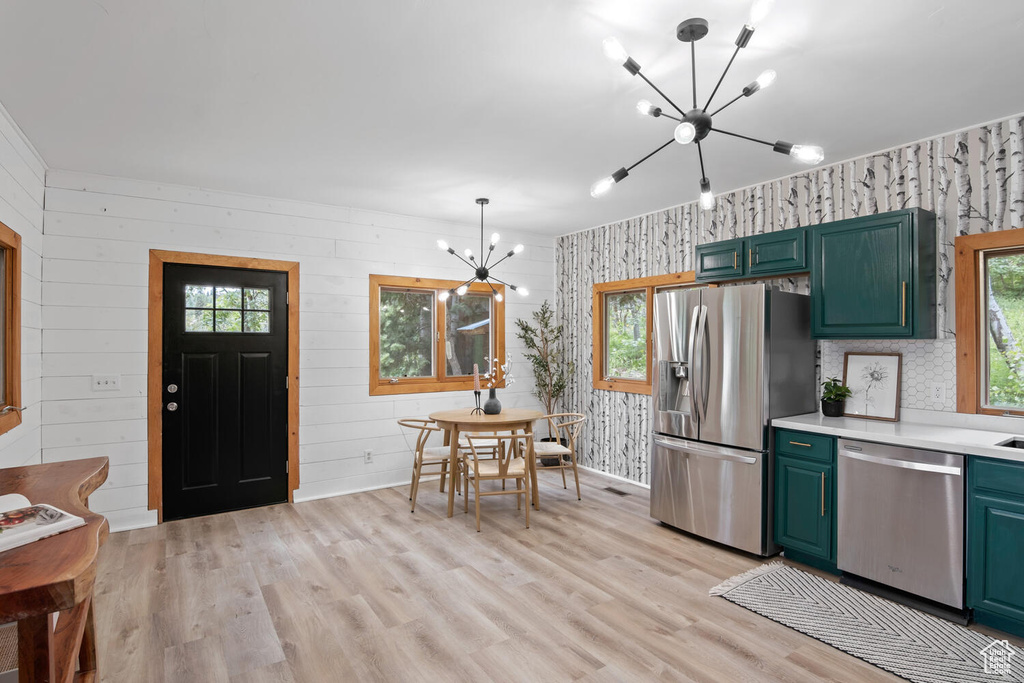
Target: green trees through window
[
  {"x": 1004, "y": 277},
  {"x": 226, "y": 309},
  {"x": 422, "y": 342},
  {"x": 406, "y": 333},
  {"x": 468, "y": 325},
  {"x": 626, "y": 326}
]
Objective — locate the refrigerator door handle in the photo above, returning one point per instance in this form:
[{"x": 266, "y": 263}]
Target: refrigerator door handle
[
  {"x": 703, "y": 452},
  {"x": 705, "y": 360},
  {"x": 691, "y": 363}
]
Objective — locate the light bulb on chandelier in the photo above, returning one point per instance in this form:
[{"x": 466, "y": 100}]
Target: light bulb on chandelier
[
  {"x": 707, "y": 199},
  {"x": 685, "y": 133},
  {"x": 758, "y": 11}
]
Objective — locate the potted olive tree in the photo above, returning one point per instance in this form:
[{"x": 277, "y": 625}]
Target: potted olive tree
[
  {"x": 544, "y": 350},
  {"x": 833, "y": 397}
]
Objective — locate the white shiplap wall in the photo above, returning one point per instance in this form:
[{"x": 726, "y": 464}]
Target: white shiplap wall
[
  {"x": 98, "y": 234},
  {"x": 22, "y": 174}
]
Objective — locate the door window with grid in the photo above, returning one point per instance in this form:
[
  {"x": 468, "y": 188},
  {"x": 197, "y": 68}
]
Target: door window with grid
[{"x": 227, "y": 309}]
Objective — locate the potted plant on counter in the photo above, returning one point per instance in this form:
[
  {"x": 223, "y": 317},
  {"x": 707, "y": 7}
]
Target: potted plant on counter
[
  {"x": 833, "y": 397},
  {"x": 544, "y": 350}
]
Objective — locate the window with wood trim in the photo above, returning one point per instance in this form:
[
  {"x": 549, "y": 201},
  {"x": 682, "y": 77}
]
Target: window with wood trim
[
  {"x": 990, "y": 323},
  {"x": 10, "y": 340},
  {"x": 421, "y": 343},
  {"x": 623, "y": 316}
]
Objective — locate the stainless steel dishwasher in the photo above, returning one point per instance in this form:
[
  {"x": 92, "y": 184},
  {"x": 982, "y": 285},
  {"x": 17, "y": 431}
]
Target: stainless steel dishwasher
[{"x": 901, "y": 519}]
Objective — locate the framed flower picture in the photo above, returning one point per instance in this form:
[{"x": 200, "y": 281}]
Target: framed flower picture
[{"x": 874, "y": 379}]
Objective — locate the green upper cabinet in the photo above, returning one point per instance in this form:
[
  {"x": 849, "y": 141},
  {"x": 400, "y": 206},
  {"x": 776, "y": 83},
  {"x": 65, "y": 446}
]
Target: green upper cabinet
[
  {"x": 782, "y": 252},
  {"x": 768, "y": 254},
  {"x": 873, "y": 277},
  {"x": 717, "y": 261}
]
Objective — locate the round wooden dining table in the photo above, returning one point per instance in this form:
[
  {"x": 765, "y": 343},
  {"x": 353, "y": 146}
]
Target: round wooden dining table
[{"x": 454, "y": 422}]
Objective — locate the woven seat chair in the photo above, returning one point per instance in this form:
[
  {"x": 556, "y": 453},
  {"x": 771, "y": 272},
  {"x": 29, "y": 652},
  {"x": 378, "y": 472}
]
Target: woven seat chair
[
  {"x": 507, "y": 464},
  {"x": 551, "y": 455},
  {"x": 425, "y": 456}
]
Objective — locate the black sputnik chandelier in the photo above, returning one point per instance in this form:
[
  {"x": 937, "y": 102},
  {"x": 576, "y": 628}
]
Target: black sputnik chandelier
[
  {"x": 695, "y": 125},
  {"x": 482, "y": 268}
]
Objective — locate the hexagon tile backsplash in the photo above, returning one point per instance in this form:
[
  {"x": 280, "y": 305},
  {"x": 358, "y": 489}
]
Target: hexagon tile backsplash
[{"x": 924, "y": 361}]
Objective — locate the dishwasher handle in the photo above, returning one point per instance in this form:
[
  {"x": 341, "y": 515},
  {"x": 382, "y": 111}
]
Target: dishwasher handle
[{"x": 905, "y": 464}]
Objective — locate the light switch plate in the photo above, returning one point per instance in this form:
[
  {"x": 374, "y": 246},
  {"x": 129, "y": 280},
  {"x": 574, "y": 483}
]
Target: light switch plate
[{"x": 106, "y": 382}]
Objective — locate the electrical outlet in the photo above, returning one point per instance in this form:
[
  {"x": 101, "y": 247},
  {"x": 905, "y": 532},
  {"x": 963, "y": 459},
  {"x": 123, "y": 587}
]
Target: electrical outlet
[
  {"x": 106, "y": 382},
  {"x": 937, "y": 393},
  {"x": 368, "y": 456}
]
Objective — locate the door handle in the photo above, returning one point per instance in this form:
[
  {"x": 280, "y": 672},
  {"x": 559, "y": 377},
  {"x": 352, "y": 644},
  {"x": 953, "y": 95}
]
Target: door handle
[
  {"x": 822, "y": 494},
  {"x": 691, "y": 363},
  {"x": 172, "y": 406},
  {"x": 903, "y": 306},
  {"x": 689, "y": 448},
  {"x": 903, "y": 464},
  {"x": 705, "y": 362}
]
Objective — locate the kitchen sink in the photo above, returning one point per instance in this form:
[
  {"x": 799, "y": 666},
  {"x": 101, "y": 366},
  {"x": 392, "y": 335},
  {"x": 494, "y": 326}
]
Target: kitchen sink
[{"x": 1015, "y": 442}]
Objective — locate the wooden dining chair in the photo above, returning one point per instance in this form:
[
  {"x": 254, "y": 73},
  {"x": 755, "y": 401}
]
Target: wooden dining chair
[
  {"x": 485, "y": 441},
  {"x": 560, "y": 454},
  {"x": 426, "y": 456},
  {"x": 507, "y": 464}
]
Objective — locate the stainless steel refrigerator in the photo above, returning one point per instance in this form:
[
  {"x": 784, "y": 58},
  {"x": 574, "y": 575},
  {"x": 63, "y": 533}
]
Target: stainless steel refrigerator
[{"x": 726, "y": 361}]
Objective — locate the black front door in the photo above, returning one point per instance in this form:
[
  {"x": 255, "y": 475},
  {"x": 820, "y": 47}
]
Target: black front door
[{"x": 225, "y": 413}]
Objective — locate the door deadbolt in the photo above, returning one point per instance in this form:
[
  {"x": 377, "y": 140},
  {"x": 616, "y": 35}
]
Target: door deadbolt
[
  {"x": 172, "y": 388},
  {"x": 172, "y": 406}
]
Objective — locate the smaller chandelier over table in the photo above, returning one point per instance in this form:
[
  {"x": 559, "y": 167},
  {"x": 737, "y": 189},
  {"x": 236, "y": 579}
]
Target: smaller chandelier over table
[
  {"x": 482, "y": 268},
  {"x": 695, "y": 124}
]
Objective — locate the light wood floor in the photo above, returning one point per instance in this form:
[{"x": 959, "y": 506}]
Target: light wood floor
[{"x": 356, "y": 588}]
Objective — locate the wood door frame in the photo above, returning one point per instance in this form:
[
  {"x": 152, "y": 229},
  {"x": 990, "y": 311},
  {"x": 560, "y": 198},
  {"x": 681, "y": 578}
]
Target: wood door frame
[
  {"x": 157, "y": 259},
  {"x": 11, "y": 328}
]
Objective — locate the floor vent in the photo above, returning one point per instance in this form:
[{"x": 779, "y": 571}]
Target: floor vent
[{"x": 617, "y": 492}]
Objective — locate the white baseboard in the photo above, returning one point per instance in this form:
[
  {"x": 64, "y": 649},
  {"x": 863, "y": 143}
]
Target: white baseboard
[
  {"x": 303, "y": 498},
  {"x": 126, "y": 520},
  {"x": 615, "y": 477}
]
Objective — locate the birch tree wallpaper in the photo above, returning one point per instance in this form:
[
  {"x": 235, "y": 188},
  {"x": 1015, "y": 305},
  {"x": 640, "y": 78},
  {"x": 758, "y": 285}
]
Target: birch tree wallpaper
[{"x": 972, "y": 180}]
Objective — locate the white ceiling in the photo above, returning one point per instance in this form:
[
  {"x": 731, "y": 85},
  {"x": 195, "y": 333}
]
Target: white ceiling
[{"x": 418, "y": 107}]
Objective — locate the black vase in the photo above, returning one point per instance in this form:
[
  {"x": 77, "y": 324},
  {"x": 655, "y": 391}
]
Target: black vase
[
  {"x": 832, "y": 408},
  {"x": 492, "y": 406}
]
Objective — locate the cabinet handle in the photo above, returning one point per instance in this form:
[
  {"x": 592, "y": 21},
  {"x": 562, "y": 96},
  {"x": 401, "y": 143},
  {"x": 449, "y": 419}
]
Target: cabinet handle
[
  {"x": 735, "y": 256},
  {"x": 797, "y": 443},
  {"x": 903, "y": 308},
  {"x": 750, "y": 258},
  {"x": 822, "y": 494}
]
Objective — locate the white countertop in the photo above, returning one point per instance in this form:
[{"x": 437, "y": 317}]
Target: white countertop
[{"x": 949, "y": 432}]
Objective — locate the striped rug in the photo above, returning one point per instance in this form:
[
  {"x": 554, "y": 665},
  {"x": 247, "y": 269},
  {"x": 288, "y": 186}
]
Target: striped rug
[{"x": 911, "y": 644}]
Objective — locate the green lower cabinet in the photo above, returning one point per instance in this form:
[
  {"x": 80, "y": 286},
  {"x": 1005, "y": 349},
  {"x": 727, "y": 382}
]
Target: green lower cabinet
[
  {"x": 995, "y": 540},
  {"x": 803, "y": 507}
]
